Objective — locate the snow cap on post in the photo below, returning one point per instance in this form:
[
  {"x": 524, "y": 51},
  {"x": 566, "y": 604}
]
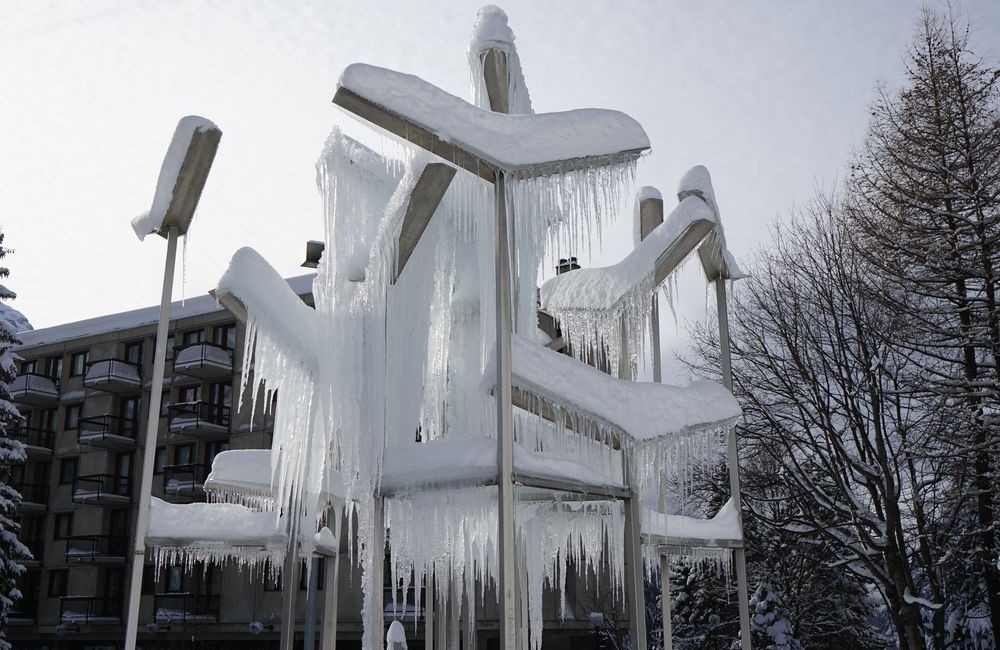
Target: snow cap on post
[
  {"x": 182, "y": 177},
  {"x": 395, "y": 637}
]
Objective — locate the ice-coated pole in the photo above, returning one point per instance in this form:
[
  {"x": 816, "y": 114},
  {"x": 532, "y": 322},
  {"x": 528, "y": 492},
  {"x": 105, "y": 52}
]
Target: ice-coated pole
[
  {"x": 739, "y": 554},
  {"x": 149, "y": 453}
]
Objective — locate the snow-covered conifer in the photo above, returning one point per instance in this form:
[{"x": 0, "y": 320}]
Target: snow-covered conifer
[{"x": 12, "y": 551}]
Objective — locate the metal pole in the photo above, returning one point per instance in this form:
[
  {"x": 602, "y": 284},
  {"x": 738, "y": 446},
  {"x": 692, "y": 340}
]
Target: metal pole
[
  {"x": 290, "y": 584},
  {"x": 309, "y": 636},
  {"x": 507, "y": 583},
  {"x": 149, "y": 453},
  {"x": 635, "y": 595},
  {"x": 739, "y": 554},
  {"x": 668, "y": 621}
]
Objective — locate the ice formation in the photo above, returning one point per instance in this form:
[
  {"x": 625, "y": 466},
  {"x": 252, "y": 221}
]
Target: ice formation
[{"x": 385, "y": 389}]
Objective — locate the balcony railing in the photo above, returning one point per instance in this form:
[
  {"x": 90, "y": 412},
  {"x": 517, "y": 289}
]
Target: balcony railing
[
  {"x": 96, "y": 549},
  {"x": 183, "y": 607},
  {"x": 108, "y": 431},
  {"x": 34, "y": 496},
  {"x": 36, "y": 440},
  {"x": 102, "y": 489},
  {"x": 199, "y": 418},
  {"x": 185, "y": 480},
  {"x": 90, "y": 610},
  {"x": 113, "y": 376},
  {"x": 204, "y": 360},
  {"x": 34, "y": 390}
]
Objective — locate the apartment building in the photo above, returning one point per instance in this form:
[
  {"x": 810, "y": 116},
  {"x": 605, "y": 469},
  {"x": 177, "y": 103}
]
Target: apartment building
[{"x": 83, "y": 392}]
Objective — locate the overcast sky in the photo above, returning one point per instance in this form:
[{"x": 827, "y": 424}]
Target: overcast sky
[{"x": 770, "y": 96}]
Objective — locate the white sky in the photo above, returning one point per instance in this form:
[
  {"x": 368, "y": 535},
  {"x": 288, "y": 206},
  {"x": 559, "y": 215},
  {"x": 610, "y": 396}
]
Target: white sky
[{"x": 770, "y": 96}]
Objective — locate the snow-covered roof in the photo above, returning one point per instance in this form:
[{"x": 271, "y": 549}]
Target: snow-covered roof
[{"x": 189, "y": 308}]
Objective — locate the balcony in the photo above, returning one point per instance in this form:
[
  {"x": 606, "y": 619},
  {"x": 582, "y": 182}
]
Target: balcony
[
  {"x": 32, "y": 389},
  {"x": 90, "y": 610},
  {"x": 185, "y": 481},
  {"x": 107, "y": 431},
  {"x": 102, "y": 489},
  {"x": 38, "y": 442},
  {"x": 199, "y": 419},
  {"x": 204, "y": 360},
  {"x": 113, "y": 376},
  {"x": 34, "y": 497},
  {"x": 96, "y": 549},
  {"x": 183, "y": 607}
]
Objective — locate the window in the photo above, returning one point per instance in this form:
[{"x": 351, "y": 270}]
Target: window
[
  {"x": 123, "y": 464},
  {"x": 128, "y": 411},
  {"x": 71, "y": 416},
  {"x": 170, "y": 347},
  {"x": 188, "y": 394},
  {"x": 224, "y": 336},
  {"x": 159, "y": 460},
  {"x": 133, "y": 352},
  {"x": 63, "y": 525},
  {"x": 212, "y": 449},
  {"x": 48, "y": 419},
  {"x": 148, "y": 583},
  {"x": 164, "y": 403},
  {"x": 220, "y": 398},
  {"x": 78, "y": 363},
  {"x": 53, "y": 367},
  {"x": 192, "y": 337},
  {"x": 175, "y": 579},
  {"x": 57, "y": 582},
  {"x": 67, "y": 470},
  {"x": 272, "y": 580},
  {"x": 184, "y": 454},
  {"x": 28, "y": 366}
]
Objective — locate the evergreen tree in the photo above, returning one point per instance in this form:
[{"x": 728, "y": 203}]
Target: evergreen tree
[
  {"x": 12, "y": 551},
  {"x": 926, "y": 209},
  {"x": 770, "y": 626}
]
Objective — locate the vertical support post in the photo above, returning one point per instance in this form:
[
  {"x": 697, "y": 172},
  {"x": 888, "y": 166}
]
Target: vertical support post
[
  {"x": 430, "y": 597},
  {"x": 442, "y": 621},
  {"x": 454, "y": 615},
  {"x": 739, "y": 554},
  {"x": 668, "y": 621},
  {"x": 328, "y": 638},
  {"x": 309, "y": 636},
  {"x": 507, "y": 583},
  {"x": 377, "y": 638},
  {"x": 650, "y": 217},
  {"x": 635, "y": 596},
  {"x": 149, "y": 453},
  {"x": 289, "y": 585}
]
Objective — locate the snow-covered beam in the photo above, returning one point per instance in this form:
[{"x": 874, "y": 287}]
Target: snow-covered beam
[
  {"x": 482, "y": 141},
  {"x": 424, "y": 200}
]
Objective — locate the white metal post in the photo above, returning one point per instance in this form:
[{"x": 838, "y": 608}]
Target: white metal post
[
  {"x": 289, "y": 584},
  {"x": 739, "y": 554},
  {"x": 149, "y": 453},
  {"x": 507, "y": 583},
  {"x": 328, "y": 639}
]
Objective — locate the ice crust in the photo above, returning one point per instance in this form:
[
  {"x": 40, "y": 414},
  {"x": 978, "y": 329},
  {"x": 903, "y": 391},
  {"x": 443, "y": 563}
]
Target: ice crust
[
  {"x": 508, "y": 142},
  {"x": 594, "y": 305}
]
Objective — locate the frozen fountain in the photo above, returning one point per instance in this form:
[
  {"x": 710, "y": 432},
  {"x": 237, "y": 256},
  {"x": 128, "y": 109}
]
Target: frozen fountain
[{"x": 420, "y": 400}]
